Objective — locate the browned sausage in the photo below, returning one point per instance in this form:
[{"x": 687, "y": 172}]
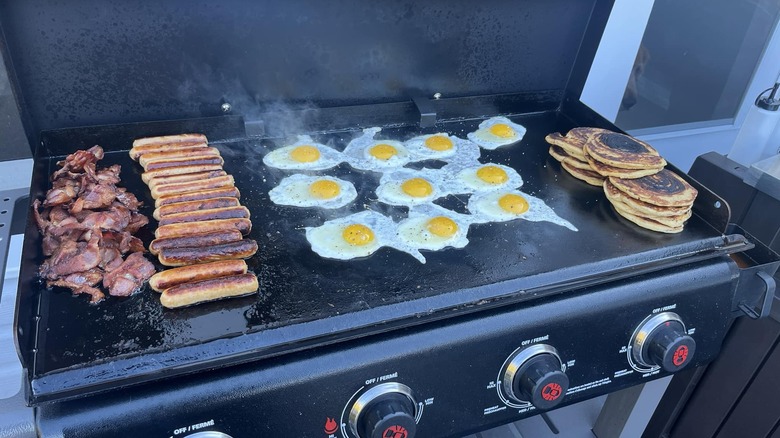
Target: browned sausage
[
  {"x": 193, "y": 186},
  {"x": 197, "y": 254},
  {"x": 186, "y": 294},
  {"x": 190, "y": 228},
  {"x": 202, "y": 240},
  {"x": 177, "y": 153},
  {"x": 180, "y": 170},
  {"x": 222, "y": 192},
  {"x": 183, "y": 207},
  {"x": 137, "y": 151},
  {"x": 171, "y": 139},
  {"x": 154, "y": 182},
  {"x": 206, "y": 215},
  {"x": 194, "y": 160},
  {"x": 185, "y": 274}
]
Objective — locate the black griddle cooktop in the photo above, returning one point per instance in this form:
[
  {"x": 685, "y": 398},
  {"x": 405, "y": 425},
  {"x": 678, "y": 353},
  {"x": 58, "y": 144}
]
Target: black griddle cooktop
[{"x": 306, "y": 300}]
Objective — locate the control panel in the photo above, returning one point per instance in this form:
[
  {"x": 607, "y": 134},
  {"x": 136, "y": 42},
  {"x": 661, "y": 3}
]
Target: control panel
[{"x": 447, "y": 379}]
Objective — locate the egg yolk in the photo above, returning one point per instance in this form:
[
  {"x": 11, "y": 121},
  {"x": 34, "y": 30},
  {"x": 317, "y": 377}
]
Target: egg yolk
[
  {"x": 305, "y": 154},
  {"x": 438, "y": 143},
  {"x": 492, "y": 174},
  {"x": 324, "y": 189},
  {"x": 358, "y": 235},
  {"x": 417, "y": 187},
  {"x": 442, "y": 226},
  {"x": 383, "y": 151},
  {"x": 502, "y": 130},
  {"x": 512, "y": 203}
]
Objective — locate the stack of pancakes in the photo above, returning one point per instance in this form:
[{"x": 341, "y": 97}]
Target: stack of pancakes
[
  {"x": 632, "y": 174},
  {"x": 659, "y": 202},
  {"x": 593, "y": 154}
]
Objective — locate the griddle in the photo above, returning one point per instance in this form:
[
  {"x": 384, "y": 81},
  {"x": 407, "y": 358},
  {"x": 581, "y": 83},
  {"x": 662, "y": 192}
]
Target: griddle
[
  {"x": 307, "y": 301},
  {"x": 283, "y": 68}
]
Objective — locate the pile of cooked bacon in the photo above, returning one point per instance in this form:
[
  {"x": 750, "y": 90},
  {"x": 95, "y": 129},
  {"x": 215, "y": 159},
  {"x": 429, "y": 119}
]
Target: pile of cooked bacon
[{"x": 88, "y": 224}]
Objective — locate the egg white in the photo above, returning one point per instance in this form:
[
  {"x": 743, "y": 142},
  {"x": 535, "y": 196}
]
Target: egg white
[
  {"x": 487, "y": 140},
  {"x": 484, "y": 208},
  {"x": 462, "y": 150},
  {"x": 357, "y": 153},
  {"x": 389, "y": 190},
  {"x": 294, "y": 190},
  {"x": 327, "y": 241},
  {"x": 414, "y": 231},
  {"x": 280, "y": 158},
  {"x": 467, "y": 181}
]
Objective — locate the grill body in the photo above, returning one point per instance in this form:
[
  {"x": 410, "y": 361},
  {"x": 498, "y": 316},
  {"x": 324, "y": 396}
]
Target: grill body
[{"x": 453, "y": 367}]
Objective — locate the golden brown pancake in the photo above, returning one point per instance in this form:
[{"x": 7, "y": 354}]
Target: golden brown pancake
[
  {"x": 669, "y": 221},
  {"x": 623, "y": 151},
  {"x": 572, "y": 146},
  {"x": 642, "y": 208},
  {"x": 664, "y": 188},
  {"x": 589, "y": 176},
  {"x": 606, "y": 170},
  {"x": 579, "y": 164},
  {"x": 649, "y": 224},
  {"x": 580, "y": 136},
  {"x": 558, "y": 153}
]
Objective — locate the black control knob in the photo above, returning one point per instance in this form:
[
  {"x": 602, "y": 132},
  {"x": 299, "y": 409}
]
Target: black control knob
[
  {"x": 662, "y": 340},
  {"x": 535, "y": 375},
  {"x": 384, "y": 411}
]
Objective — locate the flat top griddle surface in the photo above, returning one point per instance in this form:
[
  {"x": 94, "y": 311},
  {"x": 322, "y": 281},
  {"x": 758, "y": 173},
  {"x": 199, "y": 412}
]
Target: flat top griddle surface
[{"x": 304, "y": 297}]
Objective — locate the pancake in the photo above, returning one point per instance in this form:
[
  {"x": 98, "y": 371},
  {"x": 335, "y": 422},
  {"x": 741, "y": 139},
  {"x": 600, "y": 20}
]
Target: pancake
[
  {"x": 589, "y": 176},
  {"x": 606, "y": 170},
  {"x": 558, "y": 153},
  {"x": 622, "y": 151},
  {"x": 669, "y": 221},
  {"x": 664, "y": 188},
  {"x": 572, "y": 146},
  {"x": 579, "y": 164},
  {"x": 580, "y": 136},
  {"x": 641, "y": 208},
  {"x": 649, "y": 223}
]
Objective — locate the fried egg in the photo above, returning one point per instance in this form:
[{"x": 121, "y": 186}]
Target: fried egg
[
  {"x": 304, "y": 154},
  {"x": 432, "y": 227},
  {"x": 357, "y": 235},
  {"x": 497, "y": 131},
  {"x": 313, "y": 191},
  {"x": 486, "y": 177},
  {"x": 507, "y": 205},
  {"x": 409, "y": 187},
  {"x": 442, "y": 146},
  {"x": 367, "y": 153}
]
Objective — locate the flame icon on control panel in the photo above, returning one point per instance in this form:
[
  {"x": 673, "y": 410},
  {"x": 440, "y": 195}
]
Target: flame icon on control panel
[{"x": 331, "y": 426}]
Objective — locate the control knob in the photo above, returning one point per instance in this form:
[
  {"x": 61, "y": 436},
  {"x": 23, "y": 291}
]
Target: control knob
[
  {"x": 662, "y": 341},
  {"x": 385, "y": 411},
  {"x": 535, "y": 375},
  {"x": 208, "y": 434}
]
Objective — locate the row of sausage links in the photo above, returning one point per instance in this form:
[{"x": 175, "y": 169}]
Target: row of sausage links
[{"x": 201, "y": 222}]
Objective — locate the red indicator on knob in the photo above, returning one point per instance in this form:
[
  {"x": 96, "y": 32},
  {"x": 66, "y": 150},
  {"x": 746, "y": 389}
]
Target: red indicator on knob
[
  {"x": 551, "y": 391},
  {"x": 395, "y": 432},
  {"x": 680, "y": 355}
]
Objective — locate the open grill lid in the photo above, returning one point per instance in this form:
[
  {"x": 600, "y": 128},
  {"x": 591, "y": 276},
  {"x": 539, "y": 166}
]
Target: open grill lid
[
  {"x": 108, "y": 62},
  {"x": 297, "y": 67}
]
